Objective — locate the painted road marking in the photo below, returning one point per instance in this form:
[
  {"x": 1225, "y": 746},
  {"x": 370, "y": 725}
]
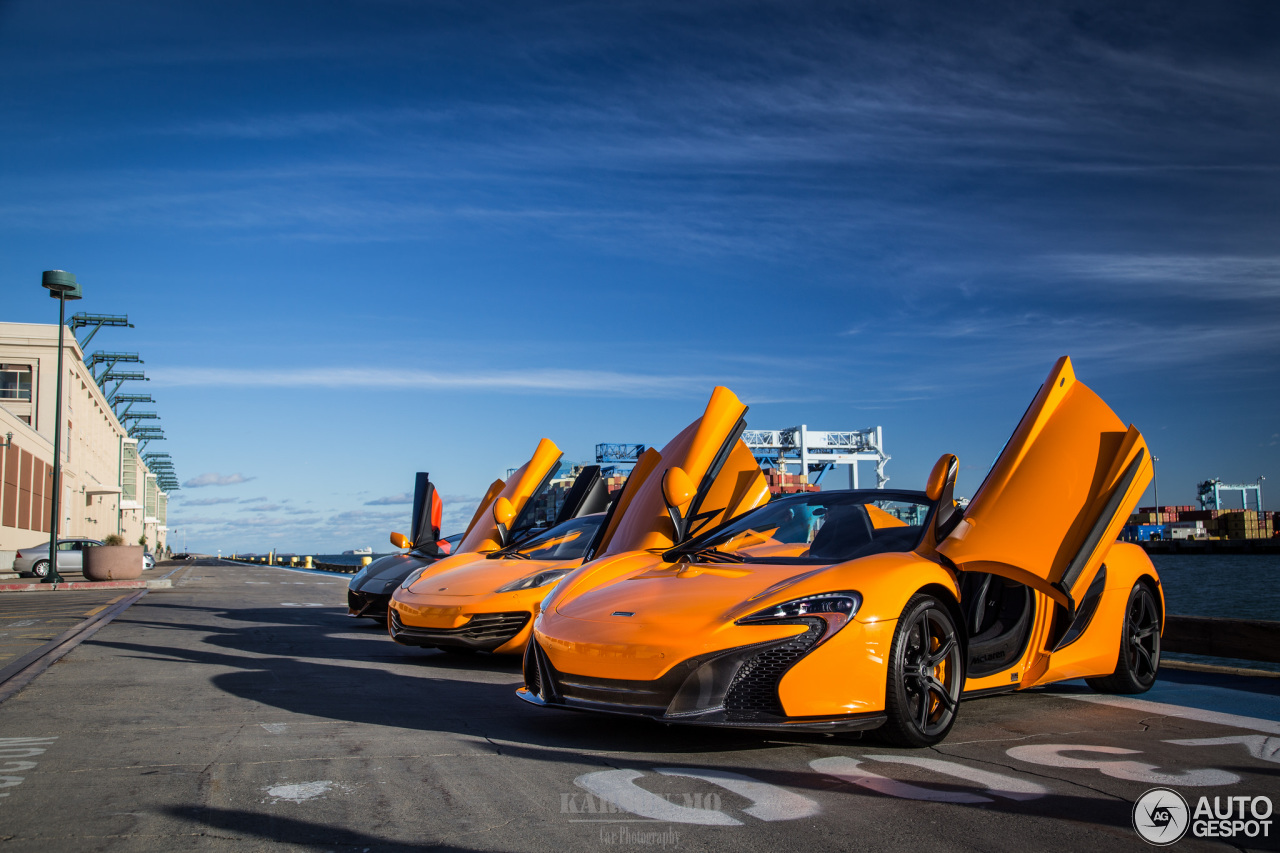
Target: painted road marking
[
  {"x": 306, "y": 604},
  {"x": 848, "y": 770},
  {"x": 1163, "y": 709},
  {"x": 1260, "y": 747},
  {"x": 1050, "y": 755},
  {"x": 12, "y": 751},
  {"x": 769, "y": 802},
  {"x": 619, "y": 788},
  {"x": 996, "y": 784},
  {"x": 301, "y": 792},
  {"x": 275, "y": 728}
]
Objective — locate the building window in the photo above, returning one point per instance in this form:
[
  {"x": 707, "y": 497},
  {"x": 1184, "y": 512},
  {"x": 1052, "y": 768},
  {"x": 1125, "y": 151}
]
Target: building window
[{"x": 15, "y": 382}]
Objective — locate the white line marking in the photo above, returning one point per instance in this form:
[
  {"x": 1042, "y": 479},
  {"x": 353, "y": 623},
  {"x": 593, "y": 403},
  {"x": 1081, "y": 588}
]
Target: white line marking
[
  {"x": 275, "y": 728},
  {"x": 847, "y": 769},
  {"x": 1260, "y": 747},
  {"x": 1050, "y": 755},
  {"x": 295, "y": 604},
  {"x": 619, "y": 788},
  {"x": 769, "y": 802},
  {"x": 996, "y": 784},
  {"x": 1145, "y": 706}
]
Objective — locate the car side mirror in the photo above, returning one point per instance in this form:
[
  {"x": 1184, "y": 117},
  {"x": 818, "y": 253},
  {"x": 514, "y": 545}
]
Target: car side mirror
[
  {"x": 400, "y": 540},
  {"x": 677, "y": 488},
  {"x": 503, "y": 511}
]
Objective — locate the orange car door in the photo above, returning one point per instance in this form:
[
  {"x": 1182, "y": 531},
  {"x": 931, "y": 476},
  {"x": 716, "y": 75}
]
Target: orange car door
[
  {"x": 483, "y": 534},
  {"x": 725, "y": 481},
  {"x": 1058, "y": 494}
]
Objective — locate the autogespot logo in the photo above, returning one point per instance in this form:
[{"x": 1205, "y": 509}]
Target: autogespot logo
[{"x": 1161, "y": 816}]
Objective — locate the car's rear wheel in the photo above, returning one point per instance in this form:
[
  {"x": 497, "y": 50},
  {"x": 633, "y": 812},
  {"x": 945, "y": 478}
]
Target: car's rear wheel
[
  {"x": 926, "y": 673},
  {"x": 40, "y": 569},
  {"x": 1139, "y": 659}
]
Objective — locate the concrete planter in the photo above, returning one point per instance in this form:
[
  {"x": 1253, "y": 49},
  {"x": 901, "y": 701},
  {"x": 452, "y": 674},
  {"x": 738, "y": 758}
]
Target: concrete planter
[{"x": 113, "y": 562}]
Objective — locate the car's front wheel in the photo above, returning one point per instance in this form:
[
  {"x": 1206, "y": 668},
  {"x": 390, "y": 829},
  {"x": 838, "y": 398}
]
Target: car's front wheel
[
  {"x": 926, "y": 673},
  {"x": 1139, "y": 658},
  {"x": 40, "y": 569}
]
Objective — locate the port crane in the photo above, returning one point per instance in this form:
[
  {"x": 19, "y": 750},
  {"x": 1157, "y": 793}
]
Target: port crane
[
  {"x": 817, "y": 452},
  {"x": 1209, "y": 493}
]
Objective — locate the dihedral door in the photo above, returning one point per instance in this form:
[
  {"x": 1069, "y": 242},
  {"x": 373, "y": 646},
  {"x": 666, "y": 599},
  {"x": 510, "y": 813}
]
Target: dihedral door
[
  {"x": 1058, "y": 494},
  {"x": 483, "y": 533},
  {"x": 710, "y": 451}
]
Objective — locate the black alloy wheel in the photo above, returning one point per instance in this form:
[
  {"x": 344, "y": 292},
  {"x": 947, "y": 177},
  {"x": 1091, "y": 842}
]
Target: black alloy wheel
[
  {"x": 926, "y": 674},
  {"x": 1139, "y": 658}
]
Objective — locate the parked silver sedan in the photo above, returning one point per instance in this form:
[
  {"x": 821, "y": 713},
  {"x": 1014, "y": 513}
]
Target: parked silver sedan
[{"x": 34, "y": 561}]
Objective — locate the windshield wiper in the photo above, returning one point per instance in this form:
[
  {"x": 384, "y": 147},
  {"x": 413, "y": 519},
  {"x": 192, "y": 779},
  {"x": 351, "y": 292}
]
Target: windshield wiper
[{"x": 504, "y": 554}]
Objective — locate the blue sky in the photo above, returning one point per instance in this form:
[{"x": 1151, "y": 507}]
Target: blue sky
[{"x": 360, "y": 240}]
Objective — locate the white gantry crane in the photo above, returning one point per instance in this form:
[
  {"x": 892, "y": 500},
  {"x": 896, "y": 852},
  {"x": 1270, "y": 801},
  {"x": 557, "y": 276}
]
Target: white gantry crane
[{"x": 818, "y": 452}]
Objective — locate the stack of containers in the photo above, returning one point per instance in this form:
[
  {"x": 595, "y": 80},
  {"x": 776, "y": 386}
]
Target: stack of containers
[
  {"x": 1246, "y": 524},
  {"x": 783, "y": 483}
]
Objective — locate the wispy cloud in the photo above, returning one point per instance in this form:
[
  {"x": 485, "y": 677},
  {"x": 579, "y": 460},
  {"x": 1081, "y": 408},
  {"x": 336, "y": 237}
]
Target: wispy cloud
[
  {"x": 391, "y": 500},
  {"x": 202, "y": 501},
  {"x": 214, "y": 479},
  {"x": 1208, "y": 277},
  {"x": 533, "y": 380}
]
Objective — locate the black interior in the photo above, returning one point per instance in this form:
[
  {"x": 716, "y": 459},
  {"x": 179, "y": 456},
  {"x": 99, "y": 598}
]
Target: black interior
[
  {"x": 997, "y": 615},
  {"x": 848, "y": 534}
]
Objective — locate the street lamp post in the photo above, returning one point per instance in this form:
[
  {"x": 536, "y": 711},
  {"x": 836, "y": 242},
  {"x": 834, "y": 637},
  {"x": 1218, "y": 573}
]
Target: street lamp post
[{"x": 62, "y": 286}]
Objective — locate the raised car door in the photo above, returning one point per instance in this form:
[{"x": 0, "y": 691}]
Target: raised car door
[
  {"x": 428, "y": 511},
  {"x": 723, "y": 481},
  {"x": 1057, "y": 495},
  {"x": 487, "y": 531},
  {"x": 589, "y": 494}
]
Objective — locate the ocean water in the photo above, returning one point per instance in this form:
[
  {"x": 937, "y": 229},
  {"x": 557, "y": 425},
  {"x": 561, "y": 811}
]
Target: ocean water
[
  {"x": 1240, "y": 586},
  {"x": 1236, "y": 586}
]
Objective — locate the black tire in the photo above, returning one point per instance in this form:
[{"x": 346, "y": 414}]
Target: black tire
[
  {"x": 926, "y": 675},
  {"x": 41, "y": 569},
  {"x": 1139, "y": 659}
]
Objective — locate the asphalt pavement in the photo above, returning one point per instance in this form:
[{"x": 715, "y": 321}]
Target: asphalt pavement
[{"x": 243, "y": 710}]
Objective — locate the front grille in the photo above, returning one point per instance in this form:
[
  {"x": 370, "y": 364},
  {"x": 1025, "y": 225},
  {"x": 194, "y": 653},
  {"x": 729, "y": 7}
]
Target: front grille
[
  {"x": 486, "y": 631},
  {"x": 755, "y": 687}
]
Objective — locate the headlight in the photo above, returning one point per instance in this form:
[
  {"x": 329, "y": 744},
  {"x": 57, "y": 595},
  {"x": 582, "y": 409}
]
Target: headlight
[
  {"x": 535, "y": 580},
  {"x": 836, "y": 609},
  {"x": 413, "y": 576}
]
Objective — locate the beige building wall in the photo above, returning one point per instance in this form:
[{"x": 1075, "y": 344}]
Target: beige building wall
[{"x": 98, "y": 457}]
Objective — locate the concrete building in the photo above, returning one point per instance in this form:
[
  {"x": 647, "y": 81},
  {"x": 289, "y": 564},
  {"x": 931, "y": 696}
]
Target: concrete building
[{"x": 106, "y": 487}]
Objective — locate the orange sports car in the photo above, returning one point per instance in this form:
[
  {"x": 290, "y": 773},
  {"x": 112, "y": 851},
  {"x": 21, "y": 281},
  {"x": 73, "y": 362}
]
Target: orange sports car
[
  {"x": 872, "y": 609},
  {"x": 482, "y": 597}
]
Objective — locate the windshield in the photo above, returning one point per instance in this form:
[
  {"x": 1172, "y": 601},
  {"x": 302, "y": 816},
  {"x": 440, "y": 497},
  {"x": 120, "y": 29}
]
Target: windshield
[
  {"x": 817, "y": 528},
  {"x": 566, "y": 541}
]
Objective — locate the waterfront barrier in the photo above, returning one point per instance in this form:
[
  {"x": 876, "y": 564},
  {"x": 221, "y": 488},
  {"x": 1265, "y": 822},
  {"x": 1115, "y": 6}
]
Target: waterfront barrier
[
  {"x": 1242, "y": 639},
  {"x": 303, "y": 563}
]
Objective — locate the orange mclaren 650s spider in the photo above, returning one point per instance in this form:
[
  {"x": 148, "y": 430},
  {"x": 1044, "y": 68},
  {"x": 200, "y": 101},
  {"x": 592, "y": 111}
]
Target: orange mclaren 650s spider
[
  {"x": 866, "y": 609},
  {"x": 481, "y": 598}
]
